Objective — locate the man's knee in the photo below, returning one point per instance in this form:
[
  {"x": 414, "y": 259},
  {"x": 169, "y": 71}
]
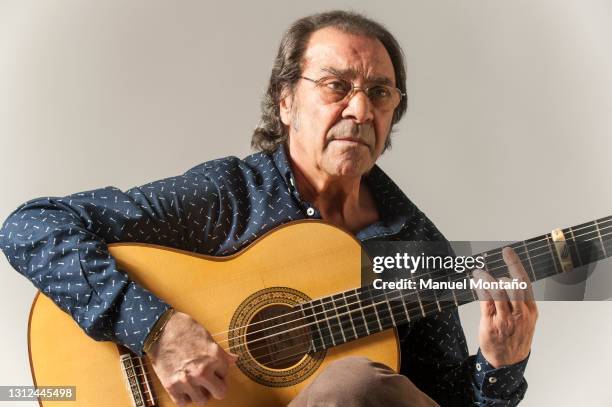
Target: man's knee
[
  {"x": 356, "y": 371},
  {"x": 358, "y": 381},
  {"x": 358, "y": 376}
]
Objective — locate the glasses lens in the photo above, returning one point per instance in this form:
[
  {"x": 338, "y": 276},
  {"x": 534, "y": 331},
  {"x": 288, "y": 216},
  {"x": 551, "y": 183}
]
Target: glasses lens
[
  {"x": 334, "y": 89},
  {"x": 384, "y": 97}
]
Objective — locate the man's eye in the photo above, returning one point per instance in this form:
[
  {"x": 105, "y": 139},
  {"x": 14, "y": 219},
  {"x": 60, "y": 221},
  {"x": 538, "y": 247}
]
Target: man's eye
[
  {"x": 338, "y": 86},
  {"x": 378, "y": 92}
]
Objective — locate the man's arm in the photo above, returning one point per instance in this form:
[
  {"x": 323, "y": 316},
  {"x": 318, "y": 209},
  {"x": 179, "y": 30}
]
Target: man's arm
[
  {"x": 437, "y": 362},
  {"x": 60, "y": 244}
]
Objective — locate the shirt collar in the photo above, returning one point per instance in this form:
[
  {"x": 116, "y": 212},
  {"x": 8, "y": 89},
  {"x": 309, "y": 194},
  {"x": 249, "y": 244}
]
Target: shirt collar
[{"x": 394, "y": 207}]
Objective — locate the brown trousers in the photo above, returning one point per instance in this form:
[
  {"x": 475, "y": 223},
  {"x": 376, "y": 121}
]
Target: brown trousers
[{"x": 359, "y": 382}]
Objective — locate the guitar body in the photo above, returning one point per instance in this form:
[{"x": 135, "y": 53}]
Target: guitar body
[{"x": 292, "y": 264}]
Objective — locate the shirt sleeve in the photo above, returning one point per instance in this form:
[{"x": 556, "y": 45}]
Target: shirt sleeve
[
  {"x": 60, "y": 245},
  {"x": 436, "y": 359}
]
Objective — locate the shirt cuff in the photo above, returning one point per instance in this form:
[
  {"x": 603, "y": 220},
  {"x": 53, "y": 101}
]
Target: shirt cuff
[
  {"x": 500, "y": 383},
  {"x": 137, "y": 315}
]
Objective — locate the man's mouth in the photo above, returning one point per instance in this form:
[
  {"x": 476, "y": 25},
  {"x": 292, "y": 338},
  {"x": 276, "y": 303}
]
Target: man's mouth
[{"x": 352, "y": 140}]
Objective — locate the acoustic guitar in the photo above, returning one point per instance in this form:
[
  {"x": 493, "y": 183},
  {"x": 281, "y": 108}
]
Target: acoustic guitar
[{"x": 289, "y": 304}]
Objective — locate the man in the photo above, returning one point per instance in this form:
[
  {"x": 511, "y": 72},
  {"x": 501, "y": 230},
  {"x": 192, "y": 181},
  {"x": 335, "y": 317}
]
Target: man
[{"x": 336, "y": 89}]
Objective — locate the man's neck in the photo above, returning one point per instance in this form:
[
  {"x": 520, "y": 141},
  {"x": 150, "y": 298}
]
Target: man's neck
[{"x": 342, "y": 201}]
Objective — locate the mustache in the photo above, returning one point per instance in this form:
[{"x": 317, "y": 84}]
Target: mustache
[{"x": 348, "y": 128}]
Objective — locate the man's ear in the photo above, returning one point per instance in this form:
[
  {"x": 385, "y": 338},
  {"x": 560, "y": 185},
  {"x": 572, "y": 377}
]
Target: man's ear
[{"x": 285, "y": 106}]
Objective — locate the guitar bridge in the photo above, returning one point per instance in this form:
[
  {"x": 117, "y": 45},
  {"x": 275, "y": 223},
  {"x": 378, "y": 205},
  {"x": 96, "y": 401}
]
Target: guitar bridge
[{"x": 137, "y": 380}]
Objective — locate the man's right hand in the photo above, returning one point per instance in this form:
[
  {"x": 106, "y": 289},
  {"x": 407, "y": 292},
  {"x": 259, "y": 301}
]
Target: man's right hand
[{"x": 189, "y": 363}]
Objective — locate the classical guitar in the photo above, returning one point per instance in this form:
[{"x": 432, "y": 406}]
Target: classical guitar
[{"x": 288, "y": 304}]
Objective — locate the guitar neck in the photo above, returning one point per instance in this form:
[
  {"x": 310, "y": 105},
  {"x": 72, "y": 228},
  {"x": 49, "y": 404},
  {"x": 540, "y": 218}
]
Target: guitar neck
[{"x": 357, "y": 313}]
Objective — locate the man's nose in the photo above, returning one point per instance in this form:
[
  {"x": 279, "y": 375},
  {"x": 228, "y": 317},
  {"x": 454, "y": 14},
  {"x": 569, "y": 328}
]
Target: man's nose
[{"x": 359, "y": 107}]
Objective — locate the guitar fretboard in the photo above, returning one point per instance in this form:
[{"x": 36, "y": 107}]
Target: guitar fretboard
[{"x": 363, "y": 311}]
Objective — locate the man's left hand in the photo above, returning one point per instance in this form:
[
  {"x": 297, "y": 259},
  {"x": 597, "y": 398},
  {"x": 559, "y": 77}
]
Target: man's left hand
[{"x": 507, "y": 317}]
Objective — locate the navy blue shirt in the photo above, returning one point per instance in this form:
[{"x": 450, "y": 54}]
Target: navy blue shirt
[{"x": 216, "y": 208}]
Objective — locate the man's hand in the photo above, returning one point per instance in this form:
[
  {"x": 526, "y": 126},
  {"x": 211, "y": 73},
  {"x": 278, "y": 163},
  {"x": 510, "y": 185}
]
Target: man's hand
[
  {"x": 189, "y": 363},
  {"x": 507, "y": 317}
]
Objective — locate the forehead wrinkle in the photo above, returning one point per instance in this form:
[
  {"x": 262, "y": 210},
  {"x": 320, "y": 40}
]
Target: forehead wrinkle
[{"x": 354, "y": 73}]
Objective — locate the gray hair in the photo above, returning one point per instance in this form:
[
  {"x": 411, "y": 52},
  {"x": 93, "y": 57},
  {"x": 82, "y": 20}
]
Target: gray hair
[{"x": 287, "y": 69}]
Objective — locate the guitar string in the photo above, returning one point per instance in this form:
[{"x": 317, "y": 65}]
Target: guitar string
[
  {"x": 323, "y": 304},
  {"x": 334, "y": 306},
  {"x": 243, "y": 348},
  {"x": 330, "y": 336},
  {"x": 339, "y": 325},
  {"x": 495, "y": 253},
  {"x": 323, "y": 337},
  {"x": 152, "y": 398},
  {"x": 372, "y": 298},
  {"x": 373, "y": 307},
  {"x": 369, "y": 311}
]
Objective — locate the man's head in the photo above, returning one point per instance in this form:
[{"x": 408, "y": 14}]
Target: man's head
[{"x": 325, "y": 55}]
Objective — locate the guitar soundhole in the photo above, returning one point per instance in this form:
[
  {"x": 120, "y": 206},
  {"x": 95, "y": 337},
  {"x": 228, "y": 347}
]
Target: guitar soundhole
[
  {"x": 272, "y": 339},
  {"x": 277, "y": 337}
]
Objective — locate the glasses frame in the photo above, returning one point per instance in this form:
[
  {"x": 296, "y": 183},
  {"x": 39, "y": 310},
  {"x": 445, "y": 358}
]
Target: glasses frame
[{"x": 354, "y": 88}]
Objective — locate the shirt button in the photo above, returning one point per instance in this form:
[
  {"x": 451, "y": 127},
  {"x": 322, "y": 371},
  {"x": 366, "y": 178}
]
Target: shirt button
[
  {"x": 492, "y": 379},
  {"x": 291, "y": 181},
  {"x": 478, "y": 367},
  {"x": 310, "y": 211}
]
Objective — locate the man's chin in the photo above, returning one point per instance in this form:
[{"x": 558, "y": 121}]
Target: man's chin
[{"x": 350, "y": 168}]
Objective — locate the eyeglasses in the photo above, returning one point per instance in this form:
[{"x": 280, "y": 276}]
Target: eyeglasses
[{"x": 333, "y": 90}]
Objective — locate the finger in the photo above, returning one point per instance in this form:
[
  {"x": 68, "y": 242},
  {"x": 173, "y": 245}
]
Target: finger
[
  {"x": 197, "y": 394},
  {"x": 223, "y": 361},
  {"x": 487, "y": 305},
  {"x": 229, "y": 357},
  {"x": 499, "y": 296},
  {"x": 516, "y": 296},
  {"x": 517, "y": 270},
  {"x": 481, "y": 293},
  {"x": 233, "y": 357},
  {"x": 180, "y": 400},
  {"x": 177, "y": 392},
  {"x": 214, "y": 385}
]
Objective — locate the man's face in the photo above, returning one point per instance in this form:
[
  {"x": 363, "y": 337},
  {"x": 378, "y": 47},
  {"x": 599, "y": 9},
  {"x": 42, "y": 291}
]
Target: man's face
[{"x": 342, "y": 139}]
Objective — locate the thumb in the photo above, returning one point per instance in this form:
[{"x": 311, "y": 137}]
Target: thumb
[{"x": 232, "y": 357}]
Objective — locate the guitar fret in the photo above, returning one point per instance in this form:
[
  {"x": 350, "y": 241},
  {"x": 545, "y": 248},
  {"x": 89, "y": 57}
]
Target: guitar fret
[
  {"x": 372, "y": 305},
  {"x": 403, "y": 299},
  {"x": 316, "y": 335},
  {"x": 418, "y": 297},
  {"x": 389, "y": 307},
  {"x": 349, "y": 315},
  {"x": 574, "y": 244},
  {"x": 529, "y": 261},
  {"x": 357, "y": 316},
  {"x": 603, "y": 248},
  {"x": 453, "y": 292},
  {"x": 324, "y": 325},
  {"x": 346, "y": 324},
  {"x": 331, "y": 315},
  {"x": 382, "y": 310}
]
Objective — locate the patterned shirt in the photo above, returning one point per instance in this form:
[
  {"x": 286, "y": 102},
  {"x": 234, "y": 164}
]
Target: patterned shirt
[{"x": 216, "y": 208}]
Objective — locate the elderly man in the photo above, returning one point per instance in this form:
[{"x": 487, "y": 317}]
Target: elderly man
[{"x": 336, "y": 89}]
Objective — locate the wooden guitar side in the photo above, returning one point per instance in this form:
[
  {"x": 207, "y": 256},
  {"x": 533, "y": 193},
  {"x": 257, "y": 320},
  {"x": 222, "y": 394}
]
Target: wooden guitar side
[{"x": 311, "y": 257}]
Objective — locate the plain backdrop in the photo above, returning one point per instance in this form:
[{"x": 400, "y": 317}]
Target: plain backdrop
[{"x": 507, "y": 134}]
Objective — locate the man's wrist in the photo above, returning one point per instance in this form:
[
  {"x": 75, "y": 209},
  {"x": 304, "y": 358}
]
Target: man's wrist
[
  {"x": 503, "y": 382},
  {"x": 157, "y": 330}
]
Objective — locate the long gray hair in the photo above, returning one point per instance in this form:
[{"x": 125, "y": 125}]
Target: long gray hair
[{"x": 287, "y": 68}]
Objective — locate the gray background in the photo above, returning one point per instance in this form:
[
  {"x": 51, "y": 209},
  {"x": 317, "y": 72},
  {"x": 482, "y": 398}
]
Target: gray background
[{"x": 507, "y": 134}]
